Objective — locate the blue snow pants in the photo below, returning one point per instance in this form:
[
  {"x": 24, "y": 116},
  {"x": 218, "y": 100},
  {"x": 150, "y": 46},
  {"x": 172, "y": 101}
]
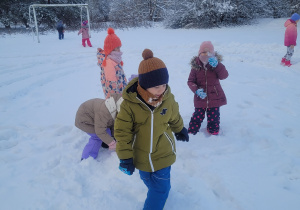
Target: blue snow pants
[
  {"x": 159, "y": 185},
  {"x": 60, "y": 35}
]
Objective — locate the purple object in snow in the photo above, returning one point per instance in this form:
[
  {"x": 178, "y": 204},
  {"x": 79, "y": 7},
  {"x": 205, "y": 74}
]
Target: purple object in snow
[
  {"x": 93, "y": 146},
  {"x": 132, "y": 77}
]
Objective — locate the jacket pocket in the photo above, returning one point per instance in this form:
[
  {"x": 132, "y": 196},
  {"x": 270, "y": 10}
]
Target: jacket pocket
[
  {"x": 170, "y": 141},
  {"x": 216, "y": 90},
  {"x": 110, "y": 71}
]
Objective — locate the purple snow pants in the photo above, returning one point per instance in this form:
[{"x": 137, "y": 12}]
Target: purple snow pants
[{"x": 93, "y": 146}]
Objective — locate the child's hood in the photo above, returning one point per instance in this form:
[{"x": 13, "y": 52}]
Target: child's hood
[
  {"x": 289, "y": 22},
  {"x": 196, "y": 63},
  {"x": 113, "y": 104},
  {"x": 60, "y": 23}
]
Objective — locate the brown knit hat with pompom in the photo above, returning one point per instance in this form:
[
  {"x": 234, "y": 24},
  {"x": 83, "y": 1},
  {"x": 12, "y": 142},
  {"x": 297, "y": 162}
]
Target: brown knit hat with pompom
[{"x": 152, "y": 71}]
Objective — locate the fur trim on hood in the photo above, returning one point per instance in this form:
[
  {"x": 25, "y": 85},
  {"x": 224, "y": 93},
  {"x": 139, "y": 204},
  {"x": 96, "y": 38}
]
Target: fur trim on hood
[
  {"x": 113, "y": 104},
  {"x": 198, "y": 65}
]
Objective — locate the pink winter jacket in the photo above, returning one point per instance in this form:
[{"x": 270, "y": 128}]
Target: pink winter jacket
[
  {"x": 85, "y": 32},
  {"x": 290, "y": 36}
]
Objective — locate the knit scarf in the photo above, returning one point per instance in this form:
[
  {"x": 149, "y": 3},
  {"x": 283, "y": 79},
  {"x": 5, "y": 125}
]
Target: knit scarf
[
  {"x": 149, "y": 98},
  {"x": 115, "y": 56}
]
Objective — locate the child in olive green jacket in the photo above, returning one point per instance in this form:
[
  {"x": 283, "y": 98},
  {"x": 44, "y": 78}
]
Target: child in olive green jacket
[{"x": 143, "y": 129}]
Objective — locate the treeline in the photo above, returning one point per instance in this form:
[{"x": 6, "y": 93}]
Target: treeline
[{"x": 136, "y": 13}]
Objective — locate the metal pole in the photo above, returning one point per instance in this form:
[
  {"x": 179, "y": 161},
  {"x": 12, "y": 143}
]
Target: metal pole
[
  {"x": 88, "y": 16},
  {"x": 80, "y": 16},
  {"x": 54, "y": 5},
  {"x": 37, "y": 30},
  {"x": 30, "y": 22},
  {"x": 29, "y": 15}
]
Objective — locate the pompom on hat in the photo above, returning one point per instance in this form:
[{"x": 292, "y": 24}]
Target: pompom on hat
[
  {"x": 111, "y": 42},
  {"x": 152, "y": 71},
  {"x": 84, "y": 23},
  {"x": 206, "y": 46},
  {"x": 295, "y": 17}
]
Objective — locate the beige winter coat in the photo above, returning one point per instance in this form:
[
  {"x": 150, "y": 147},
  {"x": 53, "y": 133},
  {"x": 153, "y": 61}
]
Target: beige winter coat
[{"x": 96, "y": 115}]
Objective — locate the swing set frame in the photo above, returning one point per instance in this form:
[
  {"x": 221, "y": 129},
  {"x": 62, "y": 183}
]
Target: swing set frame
[{"x": 33, "y": 6}]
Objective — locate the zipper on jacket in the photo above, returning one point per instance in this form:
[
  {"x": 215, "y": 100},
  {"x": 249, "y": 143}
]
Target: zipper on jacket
[
  {"x": 216, "y": 90},
  {"x": 170, "y": 140},
  {"x": 134, "y": 138},
  {"x": 151, "y": 135},
  {"x": 206, "y": 87}
]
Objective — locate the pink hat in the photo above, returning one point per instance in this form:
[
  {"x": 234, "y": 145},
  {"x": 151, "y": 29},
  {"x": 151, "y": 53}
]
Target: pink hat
[{"x": 206, "y": 47}]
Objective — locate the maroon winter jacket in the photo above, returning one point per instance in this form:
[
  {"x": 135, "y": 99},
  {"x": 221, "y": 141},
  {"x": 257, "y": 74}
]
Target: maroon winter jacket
[{"x": 208, "y": 78}]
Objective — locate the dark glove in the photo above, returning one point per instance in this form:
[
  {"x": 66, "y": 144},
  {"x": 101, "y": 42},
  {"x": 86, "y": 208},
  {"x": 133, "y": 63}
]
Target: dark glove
[
  {"x": 182, "y": 135},
  {"x": 127, "y": 166}
]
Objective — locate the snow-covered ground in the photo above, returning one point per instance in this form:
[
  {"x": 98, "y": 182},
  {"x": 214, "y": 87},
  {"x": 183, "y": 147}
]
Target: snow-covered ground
[{"x": 253, "y": 165}]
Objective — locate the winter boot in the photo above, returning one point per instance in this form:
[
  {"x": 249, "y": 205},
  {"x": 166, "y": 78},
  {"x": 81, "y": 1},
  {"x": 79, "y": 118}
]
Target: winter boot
[
  {"x": 89, "y": 43},
  {"x": 283, "y": 61},
  {"x": 287, "y": 63},
  {"x": 212, "y": 132}
]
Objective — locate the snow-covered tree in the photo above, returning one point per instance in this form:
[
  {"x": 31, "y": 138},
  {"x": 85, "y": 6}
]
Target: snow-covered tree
[
  {"x": 294, "y": 6},
  {"x": 127, "y": 13},
  {"x": 99, "y": 10},
  {"x": 8, "y": 9},
  {"x": 201, "y": 14},
  {"x": 131, "y": 13}
]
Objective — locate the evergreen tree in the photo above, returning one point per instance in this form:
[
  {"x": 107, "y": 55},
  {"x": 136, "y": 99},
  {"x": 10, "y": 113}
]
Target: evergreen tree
[{"x": 132, "y": 13}]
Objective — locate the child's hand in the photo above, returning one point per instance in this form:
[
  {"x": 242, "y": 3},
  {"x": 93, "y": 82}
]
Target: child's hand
[
  {"x": 213, "y": 61},
  {"x": 201, "y": 93},
  {"x": 126, "y": 166},
  {"x": 112, "y": 145},
  {"x": 182, "y": 135}
]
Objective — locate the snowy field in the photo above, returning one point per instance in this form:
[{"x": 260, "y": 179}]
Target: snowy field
[{"x": 254, "y": 164}]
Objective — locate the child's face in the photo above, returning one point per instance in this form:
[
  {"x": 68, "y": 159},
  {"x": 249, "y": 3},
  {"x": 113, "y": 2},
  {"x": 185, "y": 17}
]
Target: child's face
[
  {"x": 157, "y": 91},
  {"x": 117, "y": 49},
  {"x": 205, "y": 54}
]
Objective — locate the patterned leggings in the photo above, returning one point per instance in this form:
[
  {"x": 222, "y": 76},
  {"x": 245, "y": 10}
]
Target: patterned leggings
[
  {"x": 213, "y": 120},
  {"x": 289, "y": 53}
]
